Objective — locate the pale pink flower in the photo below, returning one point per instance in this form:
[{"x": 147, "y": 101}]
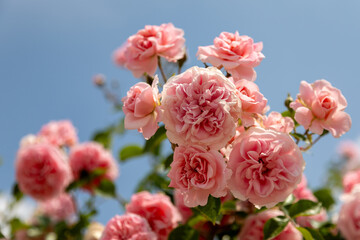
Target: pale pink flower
[
  {"x": 266, "y": 167},
  {"x": 237, "y": 54},
  {"x": 349, "y": 218},
  {"x": 128, "y": 227},
  {"x": 320, "y": 106},
  {"x": 58, "y": 208},
  {"x": 139, "y": 54},
  {"x": 42, "y": 171},
  {"x": 31, "y": 139},
  {"x": 158, "y": 210},
  {"x": 91, "y": 156},
  {"x": 253, "y": 103},
  {"x": 198, "y": 173},
  {"x": 59, "y": 133},
  {"x": 200, "y": 107},
  {"x": 350, "y": 180},
  {"x": 351, "y": 152},
  {"x": 277, "y": 122},
  {"x": 94, "y": 231},
  {"x": 253, "y": 228},
  {"x": 185, "y": 211},
  {"x": 141, "y": 108}
]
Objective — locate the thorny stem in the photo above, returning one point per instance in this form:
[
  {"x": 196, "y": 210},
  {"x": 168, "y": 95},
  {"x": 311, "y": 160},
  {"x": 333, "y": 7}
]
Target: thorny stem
[
  {"x": 161, "y": 70},
  {"x": 311, "y": 144}
]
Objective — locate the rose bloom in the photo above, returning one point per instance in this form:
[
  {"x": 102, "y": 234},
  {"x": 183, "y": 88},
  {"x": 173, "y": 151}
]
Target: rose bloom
[
  {"x": 277, "y": 122},
  {"x": 253, "y": 103},
  {"x": 31, "y": 139},
  {"x": 139, "y": 54},
  {"x": 90, "y": 156},
  {"x": 266, "y": 167},
  {"x": 94, "y": 231},
  {"x": 185, "y": 211},
  {"x": 42, "y": 171},
  {"x": 350, "y": 180},
  {"x": 349, "y": 150},
  {"x": 197, "y": 173},
  {"x": 254, "y": 225},
  {"x": 320, "y": 106},
  {"x": 349, "y": 218},
  {"x": 200, "y": 108},
  {"x": 141, "y": 108},
  {"x": 237, "y": 54},
  {"x": 59, "y": 133},
  {"x": 59, "y": 208},
  {"x": 128, "y": 227},
  {"x": 158, "y": 210}
]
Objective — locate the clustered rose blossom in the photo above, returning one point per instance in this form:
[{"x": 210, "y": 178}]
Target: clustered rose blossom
[
  {"x": 185, "y": 211},
  {"x": 128, "y": 227},
  {"x": 198, "y": 173},
  {"x": 350, "y": 152},
  {"x": 254, "y": 225},
  {"x": 140, "y": 53},
  {"x": 200, "y": 108},
  {"x": 42, "y": 171},
  {"x": 277, "y": 122},
  {"x": 59, "y": 133},
  {"x": 158, "y": 210},
  {"x": 58, "y": 208},
  {"x": 350, "y": 180},
  {"x": 321, "y": 106},
  {"x": 253, "y": 103},
  {"x": 90, "y": 156},
  {"x": 141, "y": 108},
  {"x": 237, "y": 54},
  {"x": 266, "y": 166},
  {"x": 94, "y": 231},
  {"x": 349, "y": 218}
]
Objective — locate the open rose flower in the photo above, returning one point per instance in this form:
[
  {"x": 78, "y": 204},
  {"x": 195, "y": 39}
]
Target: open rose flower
[
  {"x": 158, "y": 210},
  {"x": 42, "y": 171},
  {"x": 349, "y": 218},
  {"x": 130, "y": 227},
  {"x": 198, "y": 173},
  {"x": 87, "y": 157},
  {"x": 277, "y": 122},
  {"x": 94, "y": 231},
  {"x": 320, "y": 106},
  {"x": 253, "y": 228},
  {"x": 185, "y": 211},
  {"x": 200, "y": 107},
  {"x": 59, "y": 133},
  {"x": 237, "y": 54},
  {"x": 266, "y": 167},
  {"x": 350, "y": 180},
  {"x": 140, "y": 53},
  {"x": 141, "y": 108},
  {"x": 59, "y": 208},
  {"x": 253, "y": 103}
]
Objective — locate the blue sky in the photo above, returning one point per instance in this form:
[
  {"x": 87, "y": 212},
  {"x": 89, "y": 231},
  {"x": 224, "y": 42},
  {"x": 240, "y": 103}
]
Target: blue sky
[{"x": 49, "y": 51}]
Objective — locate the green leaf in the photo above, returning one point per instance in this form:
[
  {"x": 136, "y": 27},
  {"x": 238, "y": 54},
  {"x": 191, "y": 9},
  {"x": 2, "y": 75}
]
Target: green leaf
[
  {"x": 130, "y": 151},
  {"x": 325, "y": 197},
  {"x": 16, "y": 224},
  {"x": 2, "y": 235},
  {"x": 211, "y": 210},
  {"x": 153, "y": 181},
  {"x": 167, "y": 161},
  {"x": 289, "y": 200},
  {"x": 304, "y": 207},
  {"x": 184, "y": 232},
  {"x": 195, "y": 219},
  {"x": 228, "y": 206},
  {"x": 314, "y": 233},
  {"x": 153, "y": 144},
  {"x": 274, "y": 226},
  {"x": 107, "y": 188},
  {"x": 16, "y": 192},
  {"x": 104, "y": 137},
  {"x": 298, "y": 136},
  {"x": 305, "y": 233}
]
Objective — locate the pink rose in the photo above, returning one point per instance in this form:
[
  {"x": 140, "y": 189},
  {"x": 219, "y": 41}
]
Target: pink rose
[
  {"x": 350, "y": 180},
  {"x": 320, "y": 106},
  {"x": 59, "y": 208},
  {"x": 200, "y": 108},
  {"x": 197, "y": 173},
  {"x": 349, "y": 218},
  {"x": 237, "y": 54},
  {"x": 130, "y": 227},
  {"x": 139, "y": 54},
  {"x": 42, "y": 171},
  {"x": 59, "y": 133},
  {"x": 253, "y": 103},
  {"x": 254, "y": 225},
  {"x": 185, "y": 211},
  {"x": 89, "y": 157},
  {"x": 141, "y": 108},
  {"x": 349, "y": 150},
  {"x": 266, "y": 166},
  {"x": 158, "y": 210},
  {"x": 277, "y": 122}
]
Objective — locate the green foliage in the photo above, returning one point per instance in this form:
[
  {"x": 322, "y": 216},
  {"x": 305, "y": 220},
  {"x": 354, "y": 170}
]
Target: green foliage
[
  {"x": 153, "y": 144},
  {"x": 17, "y": 194},
  {"x": 104, "y": 137},
  {"x": 325, "y": 197},
  {"x": 211, "y": 211},
  {"x": 85, "y": 178},
  {"x": 184, "y": 232},
  {"x": 153, "y": 181},
  {"x": 274, "y": 226},
  {"x": 106, "y": 188},
  {"x": 304, "y": 207},
  {"x": 130, "y": 151}
]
